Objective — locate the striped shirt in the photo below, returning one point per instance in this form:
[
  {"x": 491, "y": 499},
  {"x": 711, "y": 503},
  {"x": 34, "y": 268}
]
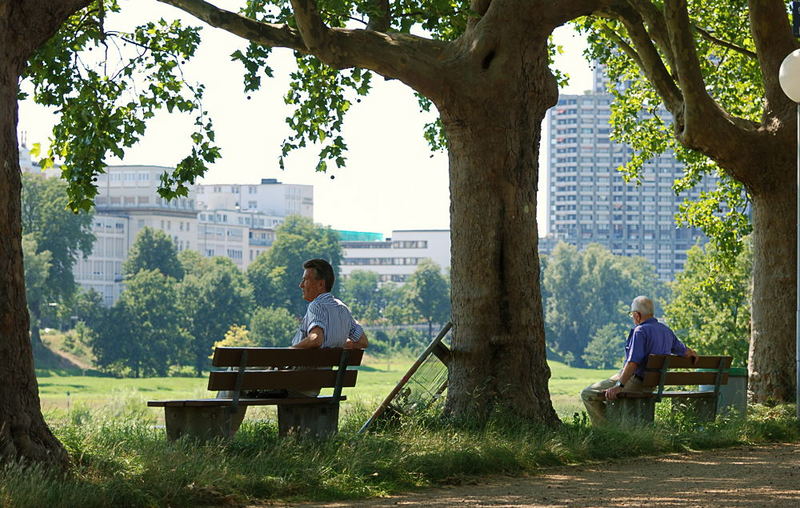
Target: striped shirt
[{"x": 333, "y": 317}]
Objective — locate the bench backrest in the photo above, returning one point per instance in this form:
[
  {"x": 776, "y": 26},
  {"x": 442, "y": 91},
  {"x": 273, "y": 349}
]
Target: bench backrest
[
  {"x": 291, "y": 369},
  {"x": 662, "y": 370}
]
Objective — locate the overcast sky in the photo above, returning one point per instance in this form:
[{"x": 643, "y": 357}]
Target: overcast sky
[{"x": 391, "y": 180}]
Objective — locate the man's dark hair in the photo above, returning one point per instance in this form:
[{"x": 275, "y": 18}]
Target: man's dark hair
[{"x": 322, "y": 271}]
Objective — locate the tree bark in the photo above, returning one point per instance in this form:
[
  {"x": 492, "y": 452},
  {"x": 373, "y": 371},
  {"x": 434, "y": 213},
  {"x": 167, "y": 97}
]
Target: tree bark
[
  {"x": 493, "y": 132},
  {"x": 23, "y": 431},
  {"x": 772, "y": 345},
  {"x": 24, "y": 435}
]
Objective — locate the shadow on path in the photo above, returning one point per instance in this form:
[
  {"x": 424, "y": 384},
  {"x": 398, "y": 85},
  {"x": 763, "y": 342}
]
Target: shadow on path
[{"x": 745, "y": 476}]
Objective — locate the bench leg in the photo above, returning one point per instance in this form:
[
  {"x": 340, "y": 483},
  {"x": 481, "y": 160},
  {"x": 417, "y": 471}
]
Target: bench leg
[
  {"x": 318, "y": 420},
  {"x": 628, "y": 412},
  {"x": 703, "y": 409},
  {"x": 203, "y": 423}
]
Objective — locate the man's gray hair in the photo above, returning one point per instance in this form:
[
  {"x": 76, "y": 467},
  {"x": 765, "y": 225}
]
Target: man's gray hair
[{"x": 642, "y": 305}]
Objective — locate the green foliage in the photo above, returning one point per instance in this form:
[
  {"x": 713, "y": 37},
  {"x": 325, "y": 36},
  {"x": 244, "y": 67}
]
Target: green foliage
[
  {"x": 106, "y": 85},
  {"x": 66, "y": 235},
  {"x": 143, "y": 333},
  {"x": 37, "y": 271},
  {"x": 361, "y": 291},
  {"x": 125, "y": 461},
  {"x": 153, "y": 250},
  {"x": 588, "y": 291},
  {"x": 236, "y": 336},
  {"x": 429, "y": 292},
  {"x": 272, "y": 327},
  {"x": 606, "y": 348},
  {"x": 711, "y": 304},
  {"x": 275, "y": 275},
  {"x": 211, "y": 303}
]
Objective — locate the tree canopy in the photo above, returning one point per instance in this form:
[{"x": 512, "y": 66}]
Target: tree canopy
[
  {"x": 714, "y": 66},
  {"x": 153, "y": 250}
]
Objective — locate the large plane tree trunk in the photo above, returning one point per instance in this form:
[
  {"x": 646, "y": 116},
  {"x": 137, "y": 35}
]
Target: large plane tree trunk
[
  {"x": 493, "y": 133},
  {"x": 772, "y": 346},
  {"x": 24, "y": 435},
  {"x": 23, "y": 432}
]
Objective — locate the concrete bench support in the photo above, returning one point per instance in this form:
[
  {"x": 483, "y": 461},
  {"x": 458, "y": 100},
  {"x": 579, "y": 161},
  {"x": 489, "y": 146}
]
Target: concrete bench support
[
  {"x": 632, "y": 411},
  {"x": 317, "y": 420},
  {"x": 202, "y": 423}
]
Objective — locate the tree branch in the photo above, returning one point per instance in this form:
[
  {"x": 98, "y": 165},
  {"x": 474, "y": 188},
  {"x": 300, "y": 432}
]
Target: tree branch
[
  {"x": 773, "y": 39},
  {"x": 380, "y": 19},
  {"x": 725, "y": 44},
  {"x": 267, "y": 34},
  {"x": 411, "y": 59},
  {"x": 649, "y": 58},
  {"x": 653, "y": 17},
  {"x": 700, "y": 110}
]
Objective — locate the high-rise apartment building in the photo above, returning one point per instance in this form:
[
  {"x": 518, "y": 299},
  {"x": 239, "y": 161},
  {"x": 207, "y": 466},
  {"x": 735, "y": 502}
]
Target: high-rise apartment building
[{"x": 588, "y": 200}]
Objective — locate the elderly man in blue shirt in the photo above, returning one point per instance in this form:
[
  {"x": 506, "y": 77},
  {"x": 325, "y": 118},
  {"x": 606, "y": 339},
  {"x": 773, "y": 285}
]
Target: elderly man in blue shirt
[
  {"x": 647, "y": 337},
  {"x": 327, "y": 322}
]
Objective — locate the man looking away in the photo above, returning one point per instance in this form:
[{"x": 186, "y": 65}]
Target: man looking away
[
  {"x": 327, "y": 322},
  {"x": 648, "y": 336}
]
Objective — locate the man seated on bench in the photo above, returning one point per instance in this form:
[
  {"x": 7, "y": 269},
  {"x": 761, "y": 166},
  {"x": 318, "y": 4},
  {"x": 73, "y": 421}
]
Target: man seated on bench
[
  {"x": 648, "y": 336},
  {"x": 328, "y": 322}
]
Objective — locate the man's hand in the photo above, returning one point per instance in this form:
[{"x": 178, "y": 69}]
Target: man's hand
[
  {"x": 691, "y": 355},
  {"x": 361, "y": 343},
  {"x": 611, "y": 393}
]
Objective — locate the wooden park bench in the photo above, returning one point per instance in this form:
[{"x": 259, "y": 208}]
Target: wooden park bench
[
  {"x": 669, "y": 370},
  {"x": 278, "y": 374}
]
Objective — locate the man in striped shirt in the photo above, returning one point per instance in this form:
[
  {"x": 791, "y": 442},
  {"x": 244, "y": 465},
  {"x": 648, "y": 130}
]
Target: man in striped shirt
[{"x": 328, "y": 322}]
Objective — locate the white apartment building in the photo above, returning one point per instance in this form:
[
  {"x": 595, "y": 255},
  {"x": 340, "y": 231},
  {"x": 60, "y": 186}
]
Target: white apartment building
[
  {"x": 240, "y": 236},
  {"x": 269, "y": 197},
  {"x": 102, "y": 269},
  {"x": 396, "y": 258},
  {"x": 132, "y": 192}
]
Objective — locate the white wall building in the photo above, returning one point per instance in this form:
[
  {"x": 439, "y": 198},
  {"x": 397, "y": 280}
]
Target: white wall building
[
  {"x": 102, "y": 269},
  {"x": 269, "y": 197},
  {"x": 240, "y": 236},
  {"x": 396, "y": 258}
]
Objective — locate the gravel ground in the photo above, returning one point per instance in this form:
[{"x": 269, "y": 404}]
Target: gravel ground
[{"x": 745, "y": 476}]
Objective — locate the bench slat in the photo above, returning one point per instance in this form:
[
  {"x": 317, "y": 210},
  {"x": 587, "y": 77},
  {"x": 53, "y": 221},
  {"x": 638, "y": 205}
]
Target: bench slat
[
  {"x": 674, "y": 395},
  {"x": 678, "y": 362},
  {"x": 297, "y": 401},
  {"x": 684, "y": 378},
  {"x": 280, "y": 379},
  {"x": 283, "y": 357}
]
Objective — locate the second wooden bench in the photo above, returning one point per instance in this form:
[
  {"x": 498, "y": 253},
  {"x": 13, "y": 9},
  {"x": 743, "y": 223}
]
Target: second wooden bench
[{"x": 668, "y": 370}]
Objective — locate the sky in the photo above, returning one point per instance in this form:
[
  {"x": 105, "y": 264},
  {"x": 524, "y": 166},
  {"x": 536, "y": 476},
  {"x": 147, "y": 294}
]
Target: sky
[{"x": 391, "y": 180}]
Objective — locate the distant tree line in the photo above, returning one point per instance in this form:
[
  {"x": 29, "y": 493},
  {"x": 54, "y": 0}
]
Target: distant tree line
[
  {"x": 177, "y": 305},
  {"x": 587, "y": 295}
]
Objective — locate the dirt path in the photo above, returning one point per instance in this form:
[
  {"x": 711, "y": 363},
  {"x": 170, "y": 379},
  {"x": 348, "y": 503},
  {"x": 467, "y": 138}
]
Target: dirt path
[{"x": 748, "y": 476}]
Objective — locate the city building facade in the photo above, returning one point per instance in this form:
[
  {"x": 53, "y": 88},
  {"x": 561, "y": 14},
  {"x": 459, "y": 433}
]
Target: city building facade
[
  {"x": 269, "y": 197},
  {"x": 396, "y": 258}
]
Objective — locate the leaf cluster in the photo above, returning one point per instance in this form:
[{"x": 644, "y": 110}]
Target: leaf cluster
[{"x": 105, "y": 85}]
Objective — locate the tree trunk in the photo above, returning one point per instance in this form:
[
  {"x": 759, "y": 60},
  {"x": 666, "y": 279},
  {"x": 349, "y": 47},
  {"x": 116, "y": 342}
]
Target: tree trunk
[
  {"x": 493, "y": 130},
  {"x": 23, "y": 432},
  {"x": 772, "y": 345}
]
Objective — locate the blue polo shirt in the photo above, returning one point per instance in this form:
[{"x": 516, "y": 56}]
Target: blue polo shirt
[{"x": 651, "y": 338}]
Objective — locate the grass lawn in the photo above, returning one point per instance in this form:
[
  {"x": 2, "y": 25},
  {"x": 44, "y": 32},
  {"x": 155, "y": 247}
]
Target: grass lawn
[{"x": 377, "y": 377}]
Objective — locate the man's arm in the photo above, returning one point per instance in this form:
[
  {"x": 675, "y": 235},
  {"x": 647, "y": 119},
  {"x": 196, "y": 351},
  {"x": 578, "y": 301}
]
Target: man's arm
[
  {"x": 690, "y": 354},
  {"x": 627, "y": 374},
  {"x": 361, "y": 343},
  {"x": 314, "y": 339}
]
